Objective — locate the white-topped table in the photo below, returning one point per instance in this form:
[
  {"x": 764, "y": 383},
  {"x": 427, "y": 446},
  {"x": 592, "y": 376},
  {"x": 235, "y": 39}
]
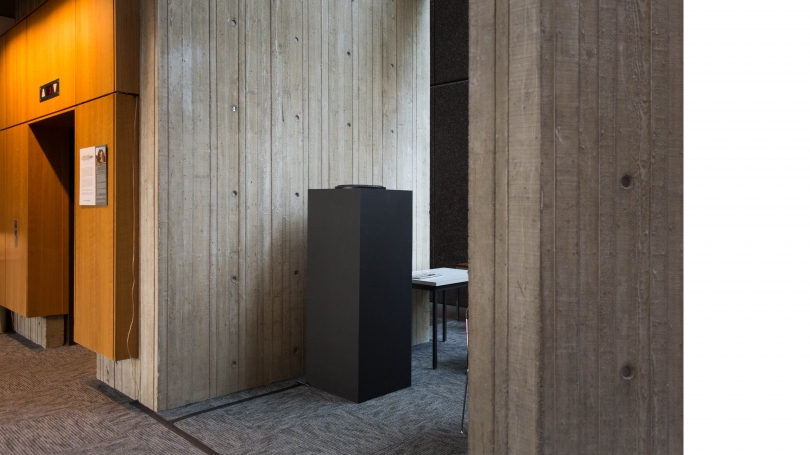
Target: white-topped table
[{"x": 434, "y": 280}]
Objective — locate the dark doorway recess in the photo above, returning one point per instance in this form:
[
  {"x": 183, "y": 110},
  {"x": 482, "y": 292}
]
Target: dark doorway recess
[{"x": 55, "y": 137}]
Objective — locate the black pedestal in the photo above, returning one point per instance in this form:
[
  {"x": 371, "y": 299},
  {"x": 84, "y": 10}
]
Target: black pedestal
[{"x": 359, "y": 246}]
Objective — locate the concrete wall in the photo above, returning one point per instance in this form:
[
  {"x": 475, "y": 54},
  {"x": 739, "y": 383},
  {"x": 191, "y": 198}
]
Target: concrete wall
[
  {"x": 576, "y": 226},
  {"x": 244, "y": 106}
]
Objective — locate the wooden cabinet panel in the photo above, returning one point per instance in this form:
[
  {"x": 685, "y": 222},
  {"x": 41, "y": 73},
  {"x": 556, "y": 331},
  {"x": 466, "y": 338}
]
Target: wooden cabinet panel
[
  {"x": 95, "y": 49},
  {"x": 5, "y": 230},
  {"x": 16, "y": 69},
  {"x": 126, "y": 205},
  {"x": 33, "y": 168},
  {"x": 93, "y": 264},
  {"x": 3, "y": 82},
  {"x": 127, "y": 45},
  {"x": 105, "y": 237},
  {"x": 107, "y": 47},
  {"x": 51, "y": 56},
  {"x": 91, "y": 46},
  {"x": 16, "y": 208}
]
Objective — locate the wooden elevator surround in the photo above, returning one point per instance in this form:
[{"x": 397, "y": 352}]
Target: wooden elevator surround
[
  {"x": 92, "y": 48},
  {"x": 106, "y": 293},
  {"x": 51, "y": 32},
  {"x": 34, "y": 198}
]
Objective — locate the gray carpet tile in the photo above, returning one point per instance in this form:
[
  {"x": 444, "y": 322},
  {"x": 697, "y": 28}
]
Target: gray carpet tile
[
  {"x": 51, "y": 403},
  {"x": 424, "y": 418}
]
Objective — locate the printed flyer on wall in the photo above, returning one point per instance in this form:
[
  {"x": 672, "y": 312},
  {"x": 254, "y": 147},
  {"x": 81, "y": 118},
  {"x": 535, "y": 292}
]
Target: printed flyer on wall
[{"x": 93, "y": 175}]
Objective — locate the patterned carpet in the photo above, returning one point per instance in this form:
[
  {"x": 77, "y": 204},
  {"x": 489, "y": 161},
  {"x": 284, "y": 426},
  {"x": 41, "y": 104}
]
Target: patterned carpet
[{"x": 50, "y": 402}]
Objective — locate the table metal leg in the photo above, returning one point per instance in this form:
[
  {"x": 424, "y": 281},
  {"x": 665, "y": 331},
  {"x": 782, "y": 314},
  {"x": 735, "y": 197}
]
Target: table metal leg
[
  {"x": 458, "y": 309},
  {"x": 435, "y": 330},
  {"x": 444, "y": 315}
]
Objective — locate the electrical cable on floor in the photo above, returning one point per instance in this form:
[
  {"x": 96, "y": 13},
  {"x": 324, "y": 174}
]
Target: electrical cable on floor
[{"x": 135, "y": 382}]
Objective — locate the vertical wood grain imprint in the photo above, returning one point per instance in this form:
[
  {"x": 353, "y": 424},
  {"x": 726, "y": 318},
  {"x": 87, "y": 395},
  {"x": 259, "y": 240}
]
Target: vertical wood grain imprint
[
  {"x": 247, "y": 105},
  {"x": 576, "y": 243}
]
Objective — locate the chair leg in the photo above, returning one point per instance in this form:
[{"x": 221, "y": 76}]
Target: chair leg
[
  {"x": 435, "y": 331},
  {"x": 464, "y": 405},
  {"x": 466, "y": 376},
  {"x": 444, "y": 315}
]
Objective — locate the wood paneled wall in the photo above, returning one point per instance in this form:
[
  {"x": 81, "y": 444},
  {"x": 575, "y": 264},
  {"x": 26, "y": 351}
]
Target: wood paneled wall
[
  {"x": 246, "y": 105},
  {"x": 16, "y": 208},
  {"x": 51, "y": 54},
  {"x": 6, "y": 229},
  {"x": 91, "y": 46},
  {"x": 3, "y": 81},
  {"x": 34, "y": 168},
  {"x": 106, "y": 250},
  {"x": 567, "y": 98},
  {"x": 13, "y": 80}
]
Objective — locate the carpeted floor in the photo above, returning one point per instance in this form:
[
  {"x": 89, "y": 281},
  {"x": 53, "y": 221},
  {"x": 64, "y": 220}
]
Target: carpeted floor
[{"x": 50, "y": 402}]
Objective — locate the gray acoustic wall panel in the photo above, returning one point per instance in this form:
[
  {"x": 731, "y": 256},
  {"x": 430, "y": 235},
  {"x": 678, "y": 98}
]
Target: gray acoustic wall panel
[
  {"x": 449, "y": 41},
  {"x": 449, "y": 177},
  {"x": 449, "y": 71},
  {"x": 359, "y": 244}
]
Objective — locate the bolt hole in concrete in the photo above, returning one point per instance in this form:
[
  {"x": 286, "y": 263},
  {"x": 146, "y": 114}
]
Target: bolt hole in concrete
[
  {"x": 233, "y": 22},
  {"x": 626, "y": 182},
  {"x": 233, "y": 279},
  {"x": 627, "y": 372},
  {"x": 233, "y": 364},
  {"x": 297, "y": 118},
  {"x": 233, "y": 193},
  {"x": 295, "y": 273},
  {"x": 295, "y": 350},
  {"x": 296, "y": 194}
]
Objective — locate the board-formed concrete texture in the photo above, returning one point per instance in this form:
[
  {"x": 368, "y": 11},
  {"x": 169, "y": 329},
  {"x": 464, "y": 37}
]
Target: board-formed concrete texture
[
  {"x": 576, "y": 227},
  {"x": 295, "y": 95}
]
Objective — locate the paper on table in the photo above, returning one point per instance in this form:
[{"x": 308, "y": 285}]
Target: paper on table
[{"x": 422, "y": 276}]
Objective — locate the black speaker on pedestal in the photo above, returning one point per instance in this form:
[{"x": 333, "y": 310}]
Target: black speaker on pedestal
[{"x": 359, "y": 247}]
